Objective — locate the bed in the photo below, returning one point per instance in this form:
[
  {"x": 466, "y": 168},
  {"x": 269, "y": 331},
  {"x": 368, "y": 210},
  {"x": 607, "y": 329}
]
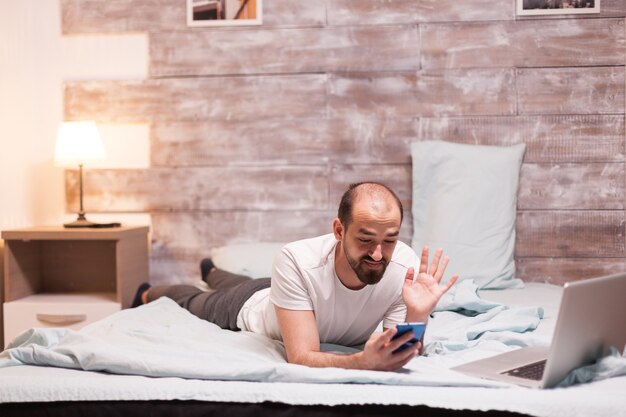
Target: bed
[
  {"x": 160, "y": 360},
  {"x": 39, "y": 390}
]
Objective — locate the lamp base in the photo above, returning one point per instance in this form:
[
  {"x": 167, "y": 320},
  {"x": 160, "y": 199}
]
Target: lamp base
[{"x": 83, "y": 222}]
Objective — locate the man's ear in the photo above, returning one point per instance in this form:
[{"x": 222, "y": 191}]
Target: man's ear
[{"x": 338, "y": 229}]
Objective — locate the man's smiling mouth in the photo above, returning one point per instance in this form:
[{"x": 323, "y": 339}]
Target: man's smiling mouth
[{"x": 373, "y": 264}]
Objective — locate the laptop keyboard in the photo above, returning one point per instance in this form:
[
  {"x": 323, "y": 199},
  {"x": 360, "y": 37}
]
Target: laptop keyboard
[{"x": 531, "y": 371}]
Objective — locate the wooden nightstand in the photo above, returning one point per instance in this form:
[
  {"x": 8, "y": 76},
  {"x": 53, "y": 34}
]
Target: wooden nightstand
[{"x": 57, "y": 277}]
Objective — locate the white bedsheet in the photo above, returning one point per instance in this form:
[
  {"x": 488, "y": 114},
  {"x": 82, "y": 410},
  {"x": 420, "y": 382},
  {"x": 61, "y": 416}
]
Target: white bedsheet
[{"x": 25, "y": 383}]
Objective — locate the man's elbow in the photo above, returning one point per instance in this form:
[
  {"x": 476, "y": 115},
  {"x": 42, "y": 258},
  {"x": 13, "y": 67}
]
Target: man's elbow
[{"x": 298, "y": 358}]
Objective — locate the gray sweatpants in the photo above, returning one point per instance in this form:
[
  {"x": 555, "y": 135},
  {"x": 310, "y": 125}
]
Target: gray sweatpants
[{"x": 221, "y": 304}]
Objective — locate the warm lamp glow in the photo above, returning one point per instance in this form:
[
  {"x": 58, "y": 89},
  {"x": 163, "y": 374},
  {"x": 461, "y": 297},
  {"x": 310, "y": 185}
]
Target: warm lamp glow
[{"x": 77, "y": 144}]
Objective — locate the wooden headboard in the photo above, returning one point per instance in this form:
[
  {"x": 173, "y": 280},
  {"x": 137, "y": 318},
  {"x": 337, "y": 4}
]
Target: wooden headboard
[{"x": 256, "y": 132}]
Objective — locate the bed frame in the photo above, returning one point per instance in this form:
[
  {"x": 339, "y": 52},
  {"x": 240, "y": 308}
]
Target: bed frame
[{"x": 203, "y": 409}]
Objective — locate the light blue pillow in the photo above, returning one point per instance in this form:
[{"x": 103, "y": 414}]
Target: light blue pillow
[{"x": 464, "y": 201}]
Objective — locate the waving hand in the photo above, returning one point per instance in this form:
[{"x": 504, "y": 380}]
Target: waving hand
[{"x": 422, "y": 293}]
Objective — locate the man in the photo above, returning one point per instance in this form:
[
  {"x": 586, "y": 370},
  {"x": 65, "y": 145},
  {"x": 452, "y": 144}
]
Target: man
[{"x": 331, "y": 289}]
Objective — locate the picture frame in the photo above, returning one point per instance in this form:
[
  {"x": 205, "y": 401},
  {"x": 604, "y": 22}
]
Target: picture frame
[
  {"x": 210, "y": 13},
  {"x": 555, "y": 7}
]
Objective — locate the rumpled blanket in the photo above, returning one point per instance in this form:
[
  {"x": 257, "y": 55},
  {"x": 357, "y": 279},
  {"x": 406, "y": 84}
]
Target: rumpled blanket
[
  {"x": 463, "y": 320},
  {"x": 612, "y": 365},
  {"x": 161, "y": 339}
]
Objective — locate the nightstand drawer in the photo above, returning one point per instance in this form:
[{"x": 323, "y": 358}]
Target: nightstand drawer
[{"x": 56, "y": 310}]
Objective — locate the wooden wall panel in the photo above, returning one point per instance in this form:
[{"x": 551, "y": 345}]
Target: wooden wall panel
[
  {"x": 425, "y": 93},
  {"x": 558, "y": 271},
  {"x": 96, "y": 16},
  {"x": 471, "y": 92},
  {"x": 295, "y": 13},
  {"x": 571, "y": 186},
  {"x": 549, "y": 139},
  {"x": 283, "y": 141},
  {"x": 597, "y": 90},
  {"x": 202, "y": 188},
  {"x": 581, "y": 42},
  {"x": 242, "y": 189},
  {"x": 570, "y": 234},
  {"x": 225, "y": 98},
  {"x": 197, "y": 231},
  {"x": 376, "y": 12},
  {"x": 257, "y": 131},
  {"x": 558, "y": 138},
  {"x": 209, "y": 52}
]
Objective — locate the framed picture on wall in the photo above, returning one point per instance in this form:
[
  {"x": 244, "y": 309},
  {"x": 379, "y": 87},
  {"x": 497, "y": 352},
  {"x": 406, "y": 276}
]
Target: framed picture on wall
[
  {"x": 202, "y": 13},
  {"x": 543, "y": 7}
]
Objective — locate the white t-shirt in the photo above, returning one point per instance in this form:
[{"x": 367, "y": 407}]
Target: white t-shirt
[{"x": 304, "y": 278}]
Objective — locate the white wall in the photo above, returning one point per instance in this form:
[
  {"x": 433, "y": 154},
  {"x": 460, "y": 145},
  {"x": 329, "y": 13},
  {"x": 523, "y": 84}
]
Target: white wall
[
  {"x": 31, "y": 188},
  {"x": 34, "y": 61}
]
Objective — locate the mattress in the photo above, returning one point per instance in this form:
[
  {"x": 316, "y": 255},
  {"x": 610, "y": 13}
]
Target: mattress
[{"x": 27, "y": 387}]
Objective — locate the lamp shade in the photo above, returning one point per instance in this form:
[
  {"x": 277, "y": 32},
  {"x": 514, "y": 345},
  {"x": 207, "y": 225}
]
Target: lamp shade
[{"x": 77, "y": 143}]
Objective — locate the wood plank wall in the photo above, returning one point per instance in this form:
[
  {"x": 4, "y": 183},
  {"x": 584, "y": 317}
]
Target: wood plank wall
[{"x": 255, "y": 132}]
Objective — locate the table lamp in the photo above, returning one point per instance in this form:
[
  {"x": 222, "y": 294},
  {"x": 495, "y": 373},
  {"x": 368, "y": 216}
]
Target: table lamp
[{"x": 79, "y": 143}]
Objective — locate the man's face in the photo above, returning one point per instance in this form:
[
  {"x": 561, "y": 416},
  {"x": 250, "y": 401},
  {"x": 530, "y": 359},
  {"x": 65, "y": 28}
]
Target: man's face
[{"x": 369, "y": 241}]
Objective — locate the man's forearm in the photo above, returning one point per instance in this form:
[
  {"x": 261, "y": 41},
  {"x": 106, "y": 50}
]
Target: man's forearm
[
  {"x": 329, "y": 360},
  {"x": 379, "y": 353}
]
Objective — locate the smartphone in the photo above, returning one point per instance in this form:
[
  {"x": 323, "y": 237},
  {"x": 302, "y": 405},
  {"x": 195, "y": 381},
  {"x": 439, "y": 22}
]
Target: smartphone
[{"x": 418, "y": 332}]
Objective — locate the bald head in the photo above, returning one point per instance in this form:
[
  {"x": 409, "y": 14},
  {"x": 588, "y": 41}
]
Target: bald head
[{"x": 373, "y": 197}]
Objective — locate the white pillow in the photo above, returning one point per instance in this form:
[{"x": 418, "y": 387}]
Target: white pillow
[
  {"x": 251, "y": 259},
  {"x": 464, "y": 201}
]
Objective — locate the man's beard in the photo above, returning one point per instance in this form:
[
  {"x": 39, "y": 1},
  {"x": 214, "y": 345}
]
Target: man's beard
[{"x": 365, "y": 274}]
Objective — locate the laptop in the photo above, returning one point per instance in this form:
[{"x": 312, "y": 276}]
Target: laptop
[{"x": 591, "y": 319}]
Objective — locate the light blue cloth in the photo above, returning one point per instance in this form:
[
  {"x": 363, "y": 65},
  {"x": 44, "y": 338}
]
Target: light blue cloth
[
  {"x": 463, "y": 320},
  {"x": 463, "y": 298},
  {"x": 612, "y": 365}
]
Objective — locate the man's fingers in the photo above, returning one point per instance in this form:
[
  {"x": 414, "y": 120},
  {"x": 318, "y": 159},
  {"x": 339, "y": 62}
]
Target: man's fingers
[
  {"x": 405, "y": 356},
  {"x": 399, "y": 341},
  {"x": 444, "y": 264},
  {"x": 424, "y": 260},
  {"x": 385, "y": 338},
  {"x": 435, "y": 264},
  {"x": 450, "y": 282},
  {"x": 380, "y": 349},
  {"x": 410, "y": 274}
]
